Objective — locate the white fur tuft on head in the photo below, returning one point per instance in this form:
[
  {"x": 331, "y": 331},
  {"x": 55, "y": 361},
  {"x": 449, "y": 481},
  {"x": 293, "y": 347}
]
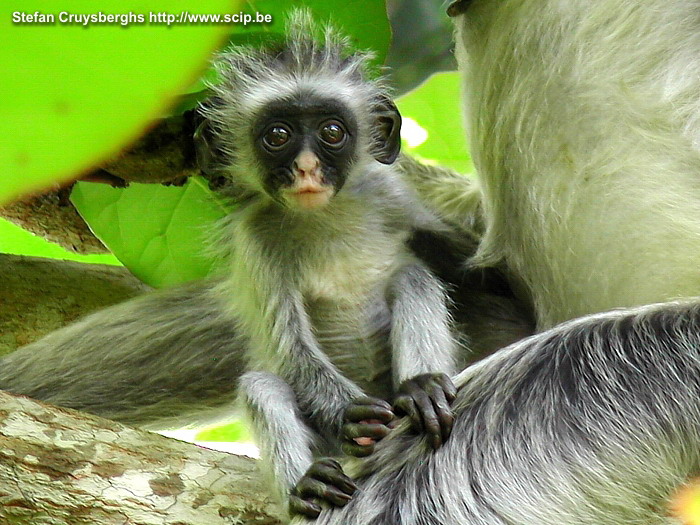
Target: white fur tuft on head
[{"x": 313, "y": 59}]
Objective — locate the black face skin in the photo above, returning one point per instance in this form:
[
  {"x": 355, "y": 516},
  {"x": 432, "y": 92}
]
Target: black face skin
[{"x": 289, "y": 126}]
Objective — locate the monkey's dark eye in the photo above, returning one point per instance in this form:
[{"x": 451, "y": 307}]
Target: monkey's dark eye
[
  {"x": 332, "y": 133},
  {"x": 276, "y": 137}
]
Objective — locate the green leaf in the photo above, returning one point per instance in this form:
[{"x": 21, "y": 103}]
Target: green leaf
[
  {"x": 16, "y": 241},
  {"x": 236, "y": 431},
  {"x": 72, "y": 95},
  {"x": 160, "y": 233},
  {"x": 434, "y": 106}
]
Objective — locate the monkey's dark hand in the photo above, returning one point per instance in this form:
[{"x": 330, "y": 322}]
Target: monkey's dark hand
[
  {"x": 367, "y": 420},
  {"x": 426, "y": 399},
  {"x": 325, "y": 481}
]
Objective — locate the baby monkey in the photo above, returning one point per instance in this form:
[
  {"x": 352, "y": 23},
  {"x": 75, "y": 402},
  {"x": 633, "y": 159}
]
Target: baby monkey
[{"x": 334, "y": 305}]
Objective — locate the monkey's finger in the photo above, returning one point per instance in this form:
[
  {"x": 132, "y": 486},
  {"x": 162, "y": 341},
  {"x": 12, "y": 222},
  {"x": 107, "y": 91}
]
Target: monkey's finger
[
  {"x": 325, "y": 462},
  {"x": 339, "y": 484},
  {"x": 359, "y": 413},
  {"x": 443, "y": 411},
  {"x": 429, "y": 417},
  {"x": 448, "y": 386},
  {"x": 303, "y": 507},
  {"x": 320, "y": 490},
  {"x": 370, "y": 430},
  {"x": 324, "y": 481},
  {"x": 381, "y": 411},
  {"x": 368, "y": 400},
  {"x": 335, "y": 496},
  {"x": 329, "y": 474},
  {"x": 406, "y": 406},
  {"x": 356, "y": 450},
  {"x": 313, "y": 488}
]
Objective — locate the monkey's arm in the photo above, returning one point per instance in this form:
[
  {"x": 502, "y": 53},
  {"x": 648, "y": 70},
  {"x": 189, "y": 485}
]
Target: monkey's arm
[
  {"x": 424, "y": 356},
  {"x": 454, "y": 197},
  {"x": 165, "y": 359},
  {"x": 421, "y": 337},
  {"x": 423, "y": 350}
]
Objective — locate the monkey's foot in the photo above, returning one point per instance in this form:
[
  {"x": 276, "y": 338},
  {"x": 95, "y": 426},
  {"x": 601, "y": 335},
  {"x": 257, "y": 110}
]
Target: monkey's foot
[
  {"x": 367, "y": 420},
  {"x": 326, "y": 482},
  {"x": 426, "y": 399}
]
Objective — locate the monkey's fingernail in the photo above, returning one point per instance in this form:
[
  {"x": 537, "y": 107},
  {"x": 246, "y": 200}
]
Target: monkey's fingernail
[{"x": 338, "y": 495}]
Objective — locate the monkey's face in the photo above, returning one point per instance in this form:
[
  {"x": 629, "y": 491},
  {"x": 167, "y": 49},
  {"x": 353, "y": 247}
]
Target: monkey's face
[{"x": 306, "y": 146}]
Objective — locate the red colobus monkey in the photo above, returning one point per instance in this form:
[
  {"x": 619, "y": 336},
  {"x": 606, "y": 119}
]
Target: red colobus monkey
[{"x": 583, "y": 120}]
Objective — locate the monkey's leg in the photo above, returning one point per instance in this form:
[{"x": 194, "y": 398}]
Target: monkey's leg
[
  {"x": 162, "y": 360},
  {"x": 324, "y": 481},
  {"x": 424, "y": 351},
  {"x": 367, "y": 420},
  {"x": 286, "y": 444}
]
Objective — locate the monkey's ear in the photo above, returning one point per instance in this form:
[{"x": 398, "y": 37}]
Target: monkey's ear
[
  {"x": 208, "y": 153},
  {"x": 458, "y": 7},
  {"x": 386, "y": 132},
  {"x": 202, "y": 138}
]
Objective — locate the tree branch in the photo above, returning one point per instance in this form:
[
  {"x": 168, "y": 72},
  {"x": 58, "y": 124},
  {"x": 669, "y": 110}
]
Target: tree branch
[{"x": 59, "y": 466}]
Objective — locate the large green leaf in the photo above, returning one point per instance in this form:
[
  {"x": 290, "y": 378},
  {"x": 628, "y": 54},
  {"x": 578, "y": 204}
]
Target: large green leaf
[
  {"x": 160, "y": 233},
  {"x": 72, "y": 95},
  {"x": 435, "y": 108}
]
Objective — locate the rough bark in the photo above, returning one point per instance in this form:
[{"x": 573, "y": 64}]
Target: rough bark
[
  {"x": 61, "y": 467},
  {"x": 40, "y": 295},
  {"x": 52, "y": 216},
  {"x": 164, "y": 155}
]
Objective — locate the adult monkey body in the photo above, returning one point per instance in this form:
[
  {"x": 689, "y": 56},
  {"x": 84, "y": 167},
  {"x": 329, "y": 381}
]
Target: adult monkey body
[
  {"x": 584, "y": 119},
  {"x": 586, "y": 142}
]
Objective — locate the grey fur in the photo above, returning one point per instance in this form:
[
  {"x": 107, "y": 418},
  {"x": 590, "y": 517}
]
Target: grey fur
[
  {"x": 174, "y": 357},
  {"x": 326, "y": 306},
  {"x": 584, "y": 120},
  {"x": 595, "y": 422}
]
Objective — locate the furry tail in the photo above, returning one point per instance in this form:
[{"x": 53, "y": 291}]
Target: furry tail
[{"x": 165, "y": 359}]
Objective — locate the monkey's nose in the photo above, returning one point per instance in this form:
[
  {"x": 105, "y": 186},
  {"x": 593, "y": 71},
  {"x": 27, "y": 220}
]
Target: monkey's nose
[{"x": 307, "y": 163}]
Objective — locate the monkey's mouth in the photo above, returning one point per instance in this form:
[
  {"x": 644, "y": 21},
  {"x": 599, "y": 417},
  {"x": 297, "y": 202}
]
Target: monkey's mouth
[
  {"x": 315, "y": 189},
  {"x": 310, "y": 198}
]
